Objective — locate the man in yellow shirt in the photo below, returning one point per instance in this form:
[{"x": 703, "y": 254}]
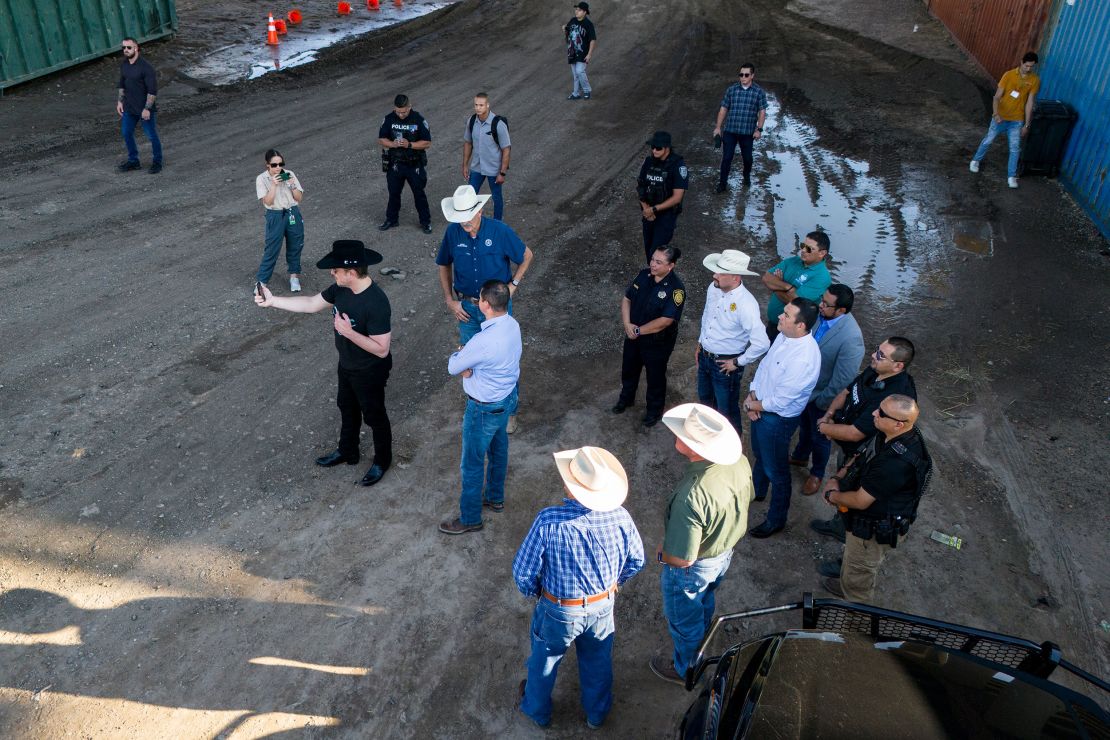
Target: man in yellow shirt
[{"x": 1012, "y": 113}]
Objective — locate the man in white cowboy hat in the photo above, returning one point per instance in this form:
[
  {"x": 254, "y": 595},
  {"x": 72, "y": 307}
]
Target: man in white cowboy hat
[
  {"x": 476, "y": 249},
  {"x": 362, "y": 337},
  {"x": 572, "y": 561},
  {"x": 706, "y": 516},
  {"x": 490, "y": 367},
  {"x": 732, "y": 334}
]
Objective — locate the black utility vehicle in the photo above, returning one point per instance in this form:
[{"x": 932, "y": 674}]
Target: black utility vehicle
[{"x": 856, "y": 671}]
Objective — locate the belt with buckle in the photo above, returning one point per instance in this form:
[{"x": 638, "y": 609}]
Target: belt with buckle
[
  {"x": 465, "y": 297},
  {"x": 712, "y": 356},
  {"x": 582, "y": 600}
]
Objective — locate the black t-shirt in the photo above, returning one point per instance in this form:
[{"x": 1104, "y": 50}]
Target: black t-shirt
[
  {"x": 890, "y": 476},
  {"x": 579, "y": 35},
  {"x": 137, "y": 80},
  {"x": 413, "y": 128},
  {"x": 659, "y": 179},
  {"x": 865, "y": 393},
  {"x": 651, "y": 300},
  {"x": 369, "y": 313}
]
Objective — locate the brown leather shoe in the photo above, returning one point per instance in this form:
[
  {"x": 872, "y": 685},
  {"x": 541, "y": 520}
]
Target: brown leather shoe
[
  {"x": 457, "y": 527},
  {"x": 663, "y": 668},
  {"x": 832, "y": 585},
  {"x": 811, "y": 486}
]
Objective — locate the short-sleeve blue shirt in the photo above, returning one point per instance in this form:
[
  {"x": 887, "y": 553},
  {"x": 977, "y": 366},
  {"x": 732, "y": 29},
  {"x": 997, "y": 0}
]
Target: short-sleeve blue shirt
[{"x": 488, "y": 256}]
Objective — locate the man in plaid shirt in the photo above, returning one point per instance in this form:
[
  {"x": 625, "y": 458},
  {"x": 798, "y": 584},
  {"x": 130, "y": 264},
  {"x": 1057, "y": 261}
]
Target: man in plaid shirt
[
  {"x": 740, "y": 121},
  {"x": 572, "y": 561}
]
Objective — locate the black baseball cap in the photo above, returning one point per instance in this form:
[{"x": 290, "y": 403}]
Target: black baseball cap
[
  {"x": 660, "y": 139},
  {"x": 583, "y": 6}
]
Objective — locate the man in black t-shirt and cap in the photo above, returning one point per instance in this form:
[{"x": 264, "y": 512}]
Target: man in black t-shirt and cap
[
  {"x": 361, "y": 315},
  {"x": 849, "y": 419},
  {"x": 660, "y": 187}
]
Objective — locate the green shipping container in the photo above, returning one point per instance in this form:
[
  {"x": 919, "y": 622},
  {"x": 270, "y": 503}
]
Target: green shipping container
[{"x": 38, "y": 37}]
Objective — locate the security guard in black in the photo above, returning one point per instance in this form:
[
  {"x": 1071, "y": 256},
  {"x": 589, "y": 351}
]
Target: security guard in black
[
  {"x": 894, "y": 472},
  {"x": 405, "y": 138},
  {"x": 660, "y": 188},
  {"x": 650, "y": 310}
]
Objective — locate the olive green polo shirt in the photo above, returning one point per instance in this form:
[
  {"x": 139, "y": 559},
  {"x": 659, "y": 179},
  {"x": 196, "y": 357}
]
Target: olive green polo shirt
[{"x": 708, "y": 512}]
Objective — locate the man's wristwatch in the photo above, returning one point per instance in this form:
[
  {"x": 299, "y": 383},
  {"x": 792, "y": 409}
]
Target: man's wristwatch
[
  {"x": 655, "y": 210},
  {"x": 636, "y": 330},
  {"x": 515, "y": 282},
  {"x": 828, "y": 492},
  {"x": 504, "y": 173}
]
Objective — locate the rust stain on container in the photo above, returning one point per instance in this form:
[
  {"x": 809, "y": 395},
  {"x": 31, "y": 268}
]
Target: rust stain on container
[{"x": 995, "y": 32}]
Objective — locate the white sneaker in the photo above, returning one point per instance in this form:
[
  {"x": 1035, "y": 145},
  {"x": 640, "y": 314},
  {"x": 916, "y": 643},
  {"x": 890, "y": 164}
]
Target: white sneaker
[
  {"x": 1011, "y": 181},
  {"x": 974, "y": 165},
  {"x": 294, "y": 284}
]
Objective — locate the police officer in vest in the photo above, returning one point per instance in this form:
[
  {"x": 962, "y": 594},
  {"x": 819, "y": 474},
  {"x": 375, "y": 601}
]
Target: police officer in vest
[
  {"x": 662, "y": 183},
  {"x": 877, "y": 493},
  {"x": 405, "y": 139},
  {"x": 650, "y": 310}
]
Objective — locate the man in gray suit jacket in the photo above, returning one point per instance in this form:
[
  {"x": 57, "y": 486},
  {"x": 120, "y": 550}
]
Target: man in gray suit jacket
[{"x": 841, "y": 342}]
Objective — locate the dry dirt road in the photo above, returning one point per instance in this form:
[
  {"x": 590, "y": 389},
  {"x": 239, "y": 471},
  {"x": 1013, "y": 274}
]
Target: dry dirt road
[{"x": 173, "y": 565}]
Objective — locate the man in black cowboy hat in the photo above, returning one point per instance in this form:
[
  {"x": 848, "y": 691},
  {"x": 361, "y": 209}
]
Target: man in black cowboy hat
[{"x": 362, "y": 336}]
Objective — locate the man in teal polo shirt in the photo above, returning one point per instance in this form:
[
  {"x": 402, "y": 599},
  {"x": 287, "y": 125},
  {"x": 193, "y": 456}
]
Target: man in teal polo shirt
[{"x": 804, "y": 276}]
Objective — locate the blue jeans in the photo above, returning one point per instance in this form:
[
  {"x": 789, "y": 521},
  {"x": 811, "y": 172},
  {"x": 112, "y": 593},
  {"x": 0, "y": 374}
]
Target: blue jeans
[
  {"x": 771, "y": 435},
  {"x": 127, "y": 128},
  {"x": 689, "y": 597},
  {"x": 581, "y": 82},
  {"x": 484, "y": 436},
  {"x": 476, "y": 179},
  {"x": 473, "y": 325},
  {"x": 279, "y": 229},
  {"x": 720, "y": 390},
  {"x": 554, "y": 629},
  {"x": 1012, "y": 129},
  {"x": 811, "y": 441}
]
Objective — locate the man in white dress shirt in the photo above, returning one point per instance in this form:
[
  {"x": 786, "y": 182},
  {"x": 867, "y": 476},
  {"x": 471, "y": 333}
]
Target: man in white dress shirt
[
  {"x": 732, "y": 335},
  {"x": 779, "y": 393},
  {"x": 490, "y": 368}
]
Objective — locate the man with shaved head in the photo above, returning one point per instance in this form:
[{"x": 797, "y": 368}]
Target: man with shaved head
[{"x": 877, "y": 493}]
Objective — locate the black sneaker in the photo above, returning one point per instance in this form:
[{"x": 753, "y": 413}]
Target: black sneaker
[
  {"x": 426, "y": 228},
  {"x": 128, "y": 166},
  {"x": 572, "y": 96},
  {"x": 156, "y": 168},
  {"x": 387, "y": 225},
  {"x": 829, "y": 527},
  {"x": 721, "y": 187},
  {"x": 585, "y": 96},
  {"x": 830, "y": 568}
]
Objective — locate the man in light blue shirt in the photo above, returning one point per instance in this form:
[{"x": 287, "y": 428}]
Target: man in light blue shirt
[{"x": 490, "y": 368}]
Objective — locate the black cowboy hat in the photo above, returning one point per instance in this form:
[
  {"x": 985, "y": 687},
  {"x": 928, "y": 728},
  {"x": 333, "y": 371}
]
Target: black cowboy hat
[{"x": 349, "y": 253}]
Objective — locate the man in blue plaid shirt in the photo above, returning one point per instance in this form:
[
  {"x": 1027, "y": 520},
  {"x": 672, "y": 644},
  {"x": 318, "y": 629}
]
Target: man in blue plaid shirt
[
  {"x": 740, "y": 121},
  {"x": 572, "y": 561}
]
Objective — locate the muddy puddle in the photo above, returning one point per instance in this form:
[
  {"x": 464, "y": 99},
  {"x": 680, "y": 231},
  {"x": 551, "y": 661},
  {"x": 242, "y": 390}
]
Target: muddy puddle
[
  {"x": 301, "y": 43},
  {"x": 877, "y": 232}
]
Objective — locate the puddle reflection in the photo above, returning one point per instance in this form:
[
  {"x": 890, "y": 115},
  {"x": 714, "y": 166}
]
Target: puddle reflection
[
  {"x": 301, "y": 44},
  {"x": 800, "y": 186}
]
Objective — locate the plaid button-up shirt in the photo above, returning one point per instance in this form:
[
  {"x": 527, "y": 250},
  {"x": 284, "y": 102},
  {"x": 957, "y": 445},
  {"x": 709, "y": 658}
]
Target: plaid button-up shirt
[
  {"x": 572, "y": 552},
  {"x": 743, "y": 106}
]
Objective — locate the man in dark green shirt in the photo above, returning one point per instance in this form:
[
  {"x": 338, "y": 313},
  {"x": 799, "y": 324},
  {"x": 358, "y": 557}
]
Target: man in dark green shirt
[{"x": 706, "y": 516}]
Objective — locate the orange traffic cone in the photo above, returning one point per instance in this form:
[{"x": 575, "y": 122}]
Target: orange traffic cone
[
  {"x": 343, "y": 9},
  {"x": 397, "y": 3},
  {"x": 295, "y": 17},
  {"x": 371, "y": 4},
  {"x": 279, "y": 24},
  {"x": 271, "y": 32}
]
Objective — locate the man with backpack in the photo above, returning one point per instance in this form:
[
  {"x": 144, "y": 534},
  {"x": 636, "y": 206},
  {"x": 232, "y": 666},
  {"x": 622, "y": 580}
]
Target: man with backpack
[{"x": 486, "y": 148}]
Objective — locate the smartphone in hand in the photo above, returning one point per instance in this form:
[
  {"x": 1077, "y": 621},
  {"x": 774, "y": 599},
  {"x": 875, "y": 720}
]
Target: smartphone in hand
[
  {"x": 284, "y": 176},
  {"x": 258, "y": 290}
]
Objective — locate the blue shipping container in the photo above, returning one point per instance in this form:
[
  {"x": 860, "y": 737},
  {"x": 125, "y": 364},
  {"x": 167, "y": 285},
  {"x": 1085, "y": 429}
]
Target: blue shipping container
[{"x": 1075, "y": 68}]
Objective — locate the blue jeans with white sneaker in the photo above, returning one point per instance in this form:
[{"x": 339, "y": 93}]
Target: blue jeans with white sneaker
[
  {"x": 554, "y": 629},
  {"x": 1012, "y": 129}
]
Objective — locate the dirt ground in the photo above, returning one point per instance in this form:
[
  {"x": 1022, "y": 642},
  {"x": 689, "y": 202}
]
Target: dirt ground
[{"x": 172, "y": 564}]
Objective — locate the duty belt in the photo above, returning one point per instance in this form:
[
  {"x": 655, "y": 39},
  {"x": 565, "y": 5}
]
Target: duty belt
[{"x": 582, "y": 600}]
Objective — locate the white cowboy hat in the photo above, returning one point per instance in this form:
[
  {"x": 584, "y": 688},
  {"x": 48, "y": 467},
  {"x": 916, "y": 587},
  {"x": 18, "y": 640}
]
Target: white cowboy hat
[
  {"x": 594, "y": 476},
  {"x": 729, "y": 262},
  {"x": 706, "y": 431},
  {"x": 462, "y": 206}
]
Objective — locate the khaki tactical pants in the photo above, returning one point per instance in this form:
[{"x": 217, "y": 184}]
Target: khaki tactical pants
[{"x": 862, "y": 559}]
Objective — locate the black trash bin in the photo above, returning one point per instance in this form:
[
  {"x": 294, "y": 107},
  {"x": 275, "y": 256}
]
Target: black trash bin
[{"x": 1048, "y": 136}]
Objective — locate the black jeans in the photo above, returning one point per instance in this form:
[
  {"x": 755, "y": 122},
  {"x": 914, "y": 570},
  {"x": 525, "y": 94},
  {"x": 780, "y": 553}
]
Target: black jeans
[
  {"x": 361, "y": 396},
  {"x": 417, "y": 178},
  {"x": 728, "y": 150},
  {"x": 649, "y": 353},
  {"x": 658, "y": 233}
]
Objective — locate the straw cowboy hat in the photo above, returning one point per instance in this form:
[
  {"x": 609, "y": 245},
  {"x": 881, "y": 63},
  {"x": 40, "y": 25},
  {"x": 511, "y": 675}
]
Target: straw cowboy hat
[
  {"x": 594, "y": 476},
  {"x": 729, "y": 262},
  {"x": 706, "y": 432},
  {"x": 462, "y": 206}
]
